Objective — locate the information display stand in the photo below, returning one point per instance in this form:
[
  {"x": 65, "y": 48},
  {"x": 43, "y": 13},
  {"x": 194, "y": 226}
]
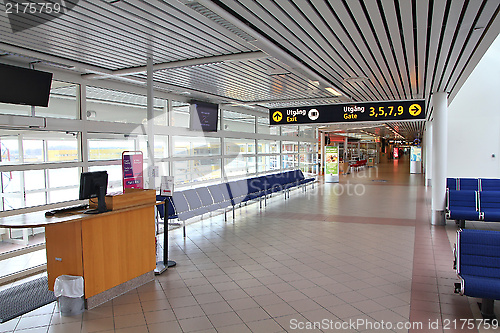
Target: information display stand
[{"x": 332, "y": 164}]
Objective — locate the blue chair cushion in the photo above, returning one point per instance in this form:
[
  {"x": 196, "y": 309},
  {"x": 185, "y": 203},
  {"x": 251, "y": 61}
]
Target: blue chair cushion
[
  {"x": 491, "y": 215},
  {"x": 464, "y": 214},
  {"x": 481, "y": 287}
]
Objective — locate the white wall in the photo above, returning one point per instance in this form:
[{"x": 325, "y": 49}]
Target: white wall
[{"x": 474, "y": 121}]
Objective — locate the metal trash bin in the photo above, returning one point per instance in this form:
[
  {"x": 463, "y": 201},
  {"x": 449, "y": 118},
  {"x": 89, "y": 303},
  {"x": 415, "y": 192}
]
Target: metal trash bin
[{"x": 69, "y": 292}]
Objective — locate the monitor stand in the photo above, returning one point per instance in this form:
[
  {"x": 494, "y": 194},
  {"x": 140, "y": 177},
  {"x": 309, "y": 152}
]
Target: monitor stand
[{"x": 101, "y": 202}]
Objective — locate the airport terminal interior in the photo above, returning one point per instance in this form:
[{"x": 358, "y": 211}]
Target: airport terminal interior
[{"x": 363, "y": 248}]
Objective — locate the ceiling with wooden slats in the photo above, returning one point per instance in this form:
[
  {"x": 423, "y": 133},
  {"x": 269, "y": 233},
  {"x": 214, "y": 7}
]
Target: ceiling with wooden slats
[{"x": 289, "y": 50}]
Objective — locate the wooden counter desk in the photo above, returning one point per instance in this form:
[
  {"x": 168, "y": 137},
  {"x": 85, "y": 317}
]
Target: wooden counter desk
[{"x": 113, "y": 251}]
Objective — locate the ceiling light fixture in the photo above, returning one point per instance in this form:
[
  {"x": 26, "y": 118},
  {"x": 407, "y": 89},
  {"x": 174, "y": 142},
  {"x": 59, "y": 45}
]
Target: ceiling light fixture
[
  {"x": 355, "y": 79},
  {"x": 333, "y": 91}
]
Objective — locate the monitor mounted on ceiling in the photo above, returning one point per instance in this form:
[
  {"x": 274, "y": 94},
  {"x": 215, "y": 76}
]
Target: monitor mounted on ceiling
[
  {"x": 203, "y": 116},
  {"x": 25, "y": 86}
]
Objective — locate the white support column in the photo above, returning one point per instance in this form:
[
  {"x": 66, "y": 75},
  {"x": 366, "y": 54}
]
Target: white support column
[
  {"x": 322, "y": 150},
  {"x": 439, "y": 156},
  {"x": 346, "y": 149},
  {"x": 150, "y": 124},
  {"x": 428, "y": 153}
]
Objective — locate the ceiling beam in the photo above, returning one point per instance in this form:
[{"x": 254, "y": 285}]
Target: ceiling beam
[
  {"x": 182, "y": 63},
  {"x": 51, "y": 59},
  {"x": 297, "y": 100}
]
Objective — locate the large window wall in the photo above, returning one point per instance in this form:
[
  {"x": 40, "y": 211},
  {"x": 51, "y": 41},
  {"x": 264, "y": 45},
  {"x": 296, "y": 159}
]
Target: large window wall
[{"x": 88, "y": 128}]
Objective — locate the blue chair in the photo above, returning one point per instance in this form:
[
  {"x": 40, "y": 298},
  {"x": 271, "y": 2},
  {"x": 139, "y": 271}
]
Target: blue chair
[
  {"x": 489, "y": 205},
  {"x": 195, "y": 205},
  {"x": 477, "y": 263},
  {"x": 181, "y": 209},
  {"x": 218, "y": 197},
  {"x": 206, "y": 199},
  {"x": 461, "y": 206},
  {"x": 451, "y": 183},
  {"x": 487, "y": 184},
  {"x": 471, "y": 184}
]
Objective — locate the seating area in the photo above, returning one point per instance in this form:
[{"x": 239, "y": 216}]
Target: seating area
[
  {"x": 477, "y": 263},
  {"x": 189, "y": 203},
  {"x": 358, "y": 164},
  {"x": 473, "y": 184},
  {"x": 473, "y": 199}
]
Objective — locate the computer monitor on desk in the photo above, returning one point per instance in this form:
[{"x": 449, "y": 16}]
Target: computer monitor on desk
[{"x": 94, "y": 185}]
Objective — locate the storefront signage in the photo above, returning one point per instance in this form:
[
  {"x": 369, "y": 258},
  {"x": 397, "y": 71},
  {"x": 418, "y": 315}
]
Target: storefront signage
[{"x": 350, "y": 113}]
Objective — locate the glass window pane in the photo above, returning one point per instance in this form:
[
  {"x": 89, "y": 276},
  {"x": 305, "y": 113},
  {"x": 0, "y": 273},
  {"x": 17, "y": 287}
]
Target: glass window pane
[
  {"x": 9, "y": 145},
  {"x": 190, "y": 171},
  {"x": 62, "y": 195},
  {"x": 109, "y": 148},
  {"x": 307, "y": 131},
  {"x": 34, "y": 180},
  {"x": 15, "y": 109},
  {"x": 239, "y": 166},
  {"x": 161, "y": 146},
  {"x": 265, "y": 163},
  {"x": 160, "y": 111},
  {"x": 237, "y": 146},
  {"x": 238, "y": 122},
  {"x": 64, "y": 177},
  {"x": 33, "y": 151},
  {"x": 115, "y": 177},
  {"x": 289, "y": 130},
  {"x": 308, "y": 163},
  {"x": 62, "y": 101},
  {"x": 196, "y": 146},
  {"x": 290, "y": 161},
  {"x": 62, "y": 150},
  {"x": 12, "y": 194},
  {"x": 180, "y": 114},
  {"x": 36, "y": 199},
  {"x": 289, "y": 147},
  {"x": 267, "y": 146}
]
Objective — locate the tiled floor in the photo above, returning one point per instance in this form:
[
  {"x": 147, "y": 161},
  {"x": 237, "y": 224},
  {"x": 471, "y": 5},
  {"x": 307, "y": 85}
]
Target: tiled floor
[{"x": 359, "y": 256}]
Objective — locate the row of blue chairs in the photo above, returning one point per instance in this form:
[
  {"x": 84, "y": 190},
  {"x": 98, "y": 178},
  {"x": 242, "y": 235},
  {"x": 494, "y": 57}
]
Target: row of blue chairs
[
  {"x": 198, "y": 201},
  {"x": 473, "y": 206},
  {"x": 473, "y": 184}
]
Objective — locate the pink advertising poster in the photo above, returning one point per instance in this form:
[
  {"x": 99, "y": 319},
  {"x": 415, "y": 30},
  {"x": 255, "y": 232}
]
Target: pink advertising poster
[{"x": 132, "y": 169}]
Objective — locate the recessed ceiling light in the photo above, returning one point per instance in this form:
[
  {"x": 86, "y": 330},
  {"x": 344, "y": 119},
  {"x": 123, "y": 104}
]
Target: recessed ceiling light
[
  {"x": 278, "y": 71},
  {"x": 356, "y": 79},
  {"x": 333, "y": 91}
]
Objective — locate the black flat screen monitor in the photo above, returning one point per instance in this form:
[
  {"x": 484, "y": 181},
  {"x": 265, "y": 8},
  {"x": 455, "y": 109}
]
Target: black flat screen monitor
[
  {"x": 203, "y": 116},
  {"x": 26, "y": 86},
  {"x": 94, "y": 185}
]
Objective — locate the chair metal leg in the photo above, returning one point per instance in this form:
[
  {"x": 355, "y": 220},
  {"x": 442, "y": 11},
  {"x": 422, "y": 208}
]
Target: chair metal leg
[{"x": 487, "y": 308}]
